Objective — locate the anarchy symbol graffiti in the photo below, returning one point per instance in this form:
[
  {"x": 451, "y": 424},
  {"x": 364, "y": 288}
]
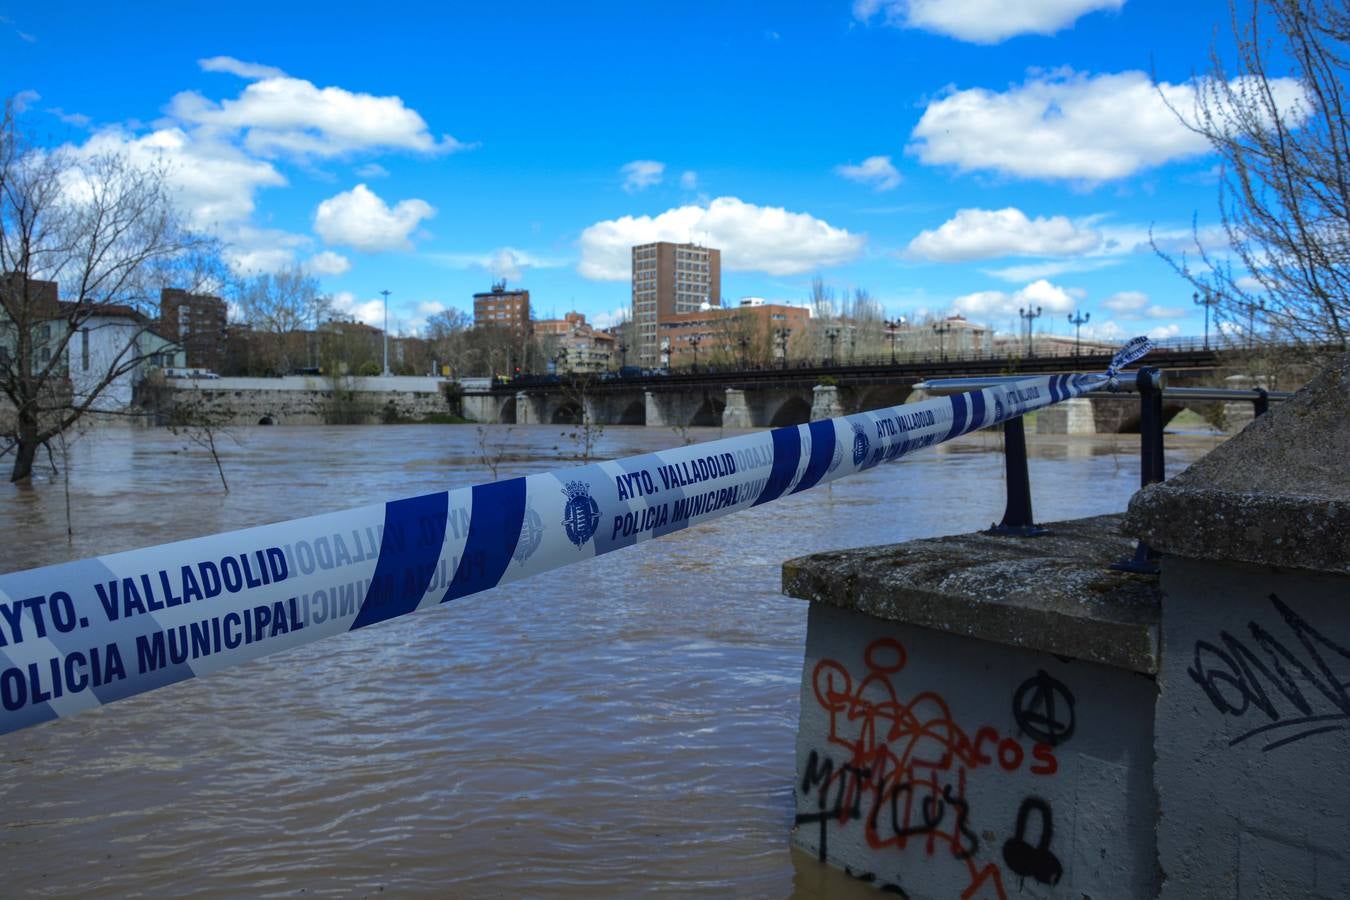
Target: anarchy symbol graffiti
[{"x": 1043, "y": 708}]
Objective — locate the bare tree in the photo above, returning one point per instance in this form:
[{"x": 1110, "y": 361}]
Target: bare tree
[
  {"x": 1284, "y": 144},
  {"x": 287, "y": 307},
  {"x": 201, "y": 421},
  {"x": 105, "y": 231},
  {"x": 446, "y": 332}
]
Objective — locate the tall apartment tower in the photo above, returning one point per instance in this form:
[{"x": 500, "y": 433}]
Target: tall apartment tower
[{"x": 669, "y": 279}]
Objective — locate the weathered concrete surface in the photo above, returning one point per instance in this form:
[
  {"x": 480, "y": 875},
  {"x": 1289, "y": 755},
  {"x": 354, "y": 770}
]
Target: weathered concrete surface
[
  {"x": 1053, "y": 594},
  {"x": 938, "y": 766},
  {"x": 825, "y": 403},
  {"x": 736, "y": 413},
  {"x": 300, "y": 400},
  {"x": 1276, "y": 494},
  {"x": 1068, "y": 417},
  {"x": 1252, "y": 769}
]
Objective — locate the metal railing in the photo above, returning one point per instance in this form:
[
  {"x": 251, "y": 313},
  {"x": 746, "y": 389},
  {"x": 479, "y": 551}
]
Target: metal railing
[{"x": 1150, "y": 383}]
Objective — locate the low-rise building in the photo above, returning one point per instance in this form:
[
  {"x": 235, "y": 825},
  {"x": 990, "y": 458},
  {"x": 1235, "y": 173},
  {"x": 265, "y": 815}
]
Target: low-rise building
[
  {"x": 754, "y": 333},
  {"x": 576, "y": 346}
]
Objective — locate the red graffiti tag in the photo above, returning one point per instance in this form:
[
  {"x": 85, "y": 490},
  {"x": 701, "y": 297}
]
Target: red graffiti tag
[{"x": 899, "y": 765}]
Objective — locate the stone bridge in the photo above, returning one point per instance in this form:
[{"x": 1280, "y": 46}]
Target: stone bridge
[{"x": 789, "y": 402}]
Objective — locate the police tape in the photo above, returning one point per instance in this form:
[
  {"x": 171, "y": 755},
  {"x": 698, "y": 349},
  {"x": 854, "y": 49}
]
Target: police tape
[{"x": 86, "y": 633}]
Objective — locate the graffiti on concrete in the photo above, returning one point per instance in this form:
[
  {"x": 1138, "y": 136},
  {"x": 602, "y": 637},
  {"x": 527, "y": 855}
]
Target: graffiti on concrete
[
  {"x": 897, "y": 766},
  {"x": 1043, "y": 709},
  {"x": 1289, "y": 690},
  {"x": 1033, "y": 860}
]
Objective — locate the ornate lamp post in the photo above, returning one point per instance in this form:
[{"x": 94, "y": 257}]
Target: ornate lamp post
[
  {"x": 386, "y": 330},
  {"x": 744, "y": 342},
  {"x": 694, "y": 341},
  {"x": 1077, "y": 320},
  {"x": 623, "y": 354},
  {"x": 1251, "y": 321},
  {"x": 1209, "y": 300},
  {"x": 833, "y": 335},
  {"x": 892, "y": 326},
  {"x": 941, "y": 329},
  {"x": 1030, "y": 316},
  {"x": 783, "y": 342}
]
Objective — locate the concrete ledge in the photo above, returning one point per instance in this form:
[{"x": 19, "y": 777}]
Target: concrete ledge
[
  {"x": 1278, "y": 494},
  {"x": 1055, "y": 594}
]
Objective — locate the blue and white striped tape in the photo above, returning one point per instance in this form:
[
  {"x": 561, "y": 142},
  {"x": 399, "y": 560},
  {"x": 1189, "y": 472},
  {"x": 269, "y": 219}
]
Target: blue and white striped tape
[{"x": 85, "y": 633}]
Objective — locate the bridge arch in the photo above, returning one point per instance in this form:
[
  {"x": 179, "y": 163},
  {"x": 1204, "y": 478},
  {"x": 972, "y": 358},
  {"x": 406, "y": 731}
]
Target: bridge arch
[
  {"x": 567, "y": 413},
  {"x": 793, "y": 411},
  {"x": 507, "y": 416},
  {"x": 635, "y": 413},
  {"x": 880, "y": 396},
  {"x": 710, "y": 412}
]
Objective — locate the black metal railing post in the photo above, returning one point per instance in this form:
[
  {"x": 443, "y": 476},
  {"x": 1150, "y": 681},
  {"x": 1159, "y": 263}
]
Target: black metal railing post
[
  {"x": 1017, "y": 517},
  {"x": 1262, "y": 402},
  {"x": 1150, "y": 382}
]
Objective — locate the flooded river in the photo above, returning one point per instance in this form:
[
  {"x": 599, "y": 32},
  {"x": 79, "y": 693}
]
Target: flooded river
[{"x": 623, "y": 726}]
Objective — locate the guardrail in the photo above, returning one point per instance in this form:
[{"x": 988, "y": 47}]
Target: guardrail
[{"x": 1150, "y": 384}]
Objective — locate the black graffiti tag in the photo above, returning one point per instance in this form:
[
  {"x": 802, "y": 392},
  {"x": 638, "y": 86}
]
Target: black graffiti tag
[
  {"x": 1037, "y": 861},
  {"x": 1043, "y": 708}
]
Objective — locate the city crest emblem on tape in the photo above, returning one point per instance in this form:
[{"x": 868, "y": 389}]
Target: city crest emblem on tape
[
  {"x": 860, "y": 444},
  {"x": 581, "y": 516},
  {"x": 531, "y": 534}
]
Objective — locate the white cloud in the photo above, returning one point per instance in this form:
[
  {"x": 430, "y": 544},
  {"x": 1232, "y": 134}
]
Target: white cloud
[
  {"x": 372, "y": 170},
  {"x": 360, "y": 219},
  {"x": 278, "y": 114},
  {"x": 875, "y": 170},
  {"x": 1135, "y": 305},
  {"x": 1035, "y": 271},
  {"x": 689, "y": 180},
  {"x": 641, "y": 174},
  {"x": 752, "y": 238},
  {"x": 981, "y": 21},
  {"x": 1127, "y": 302},
  {"x": 610, "y": 318},
  {"x": 991, "y": 233},
  {"x": 1067, "y": 125},
  {"x": 213, "y": 182},
  {"x": 23, "y": 99},
  {"x": 370, "y": 312},
  {"x": 327, "y": 262},
  {"x": 232, "y": 66},
  {"x": 993, "y": 304},
  {"x": 1163, "y": 332},
  {"x": 504, "y": 262}
]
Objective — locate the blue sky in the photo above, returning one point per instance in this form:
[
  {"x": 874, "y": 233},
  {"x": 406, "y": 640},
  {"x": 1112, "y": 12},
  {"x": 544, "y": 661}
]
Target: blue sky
[{"x": 947, "y": 155}]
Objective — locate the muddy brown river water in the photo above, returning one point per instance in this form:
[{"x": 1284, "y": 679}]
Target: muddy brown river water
[{"x": 623, "y": 726}]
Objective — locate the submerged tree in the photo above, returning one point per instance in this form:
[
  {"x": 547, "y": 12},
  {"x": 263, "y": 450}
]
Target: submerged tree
[
  {"x": 104, "y": 232},
  {"x": 1284, "y": 144}
]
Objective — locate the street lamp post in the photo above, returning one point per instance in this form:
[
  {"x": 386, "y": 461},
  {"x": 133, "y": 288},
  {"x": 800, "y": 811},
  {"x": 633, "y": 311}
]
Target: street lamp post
[
  {"x": 1209, "y": 300},
  {"x": 941, "y": 329},
  {"x": 744, "y": 343},
  {"x": 1030, "y": 316},
  {"x": 1251, "y": 321},
  {"x": 1077, "y": 320},
  {"x": 623, "y": 355},
  {"x": 386, "y": 330},
  {"x": 783, "y": 342},
  {"x": 892, "y": 326},
  {"x": 694, "y": 341},
  {"x": 833, "y": 335}
]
